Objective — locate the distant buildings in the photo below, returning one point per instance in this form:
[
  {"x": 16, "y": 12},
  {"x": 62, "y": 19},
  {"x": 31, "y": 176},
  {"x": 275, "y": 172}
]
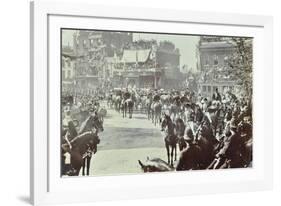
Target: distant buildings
[
  {"x": 145, "y": 64},
  {"x": 95, "y": 51},
  {"x": 215, "y": 72},
  {"x": 113, "y": 59}
]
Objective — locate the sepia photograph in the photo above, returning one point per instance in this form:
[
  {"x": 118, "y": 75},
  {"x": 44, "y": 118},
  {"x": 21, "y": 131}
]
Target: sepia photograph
[{"x": 139, "y": 102}]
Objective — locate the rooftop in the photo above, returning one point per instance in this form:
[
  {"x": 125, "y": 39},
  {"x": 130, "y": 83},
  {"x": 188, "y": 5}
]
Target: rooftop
[{"x": 218, "y": 44}]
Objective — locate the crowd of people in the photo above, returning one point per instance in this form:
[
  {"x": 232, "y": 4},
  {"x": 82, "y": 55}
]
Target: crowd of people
[
  {"x": 210, "y": 132},
  {"x": 224, "y": 120}
]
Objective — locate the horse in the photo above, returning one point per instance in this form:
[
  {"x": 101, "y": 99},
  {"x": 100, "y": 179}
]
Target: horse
[
  {"x": 101, "y": 112},
  {"x": 171, "y": 139},
  {"x": 142, "y": 103},
  {"x": 96, "y": 127},
  {"x": 137, "y": 100},
  {"x": 174, "y": 111},
  {"x": 128, "y": 106},
  {"x": 165, "y": 99},
  {"x": 148, "y": 104},
  {"x": 109, "y": 100},
  {"x": 180, "y": 129},
  {"x": 86, "y": 141},
  {"x": 117, "y": 100},
  {"x": 155, "y": 165},
  {"x": 156, "y": 109}
]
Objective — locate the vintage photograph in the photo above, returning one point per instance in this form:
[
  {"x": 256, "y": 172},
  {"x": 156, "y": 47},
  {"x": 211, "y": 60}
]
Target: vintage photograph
[{"x": 137, "y": 102}]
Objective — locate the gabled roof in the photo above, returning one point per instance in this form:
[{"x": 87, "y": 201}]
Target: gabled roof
[{"x": 133, "y": 56}]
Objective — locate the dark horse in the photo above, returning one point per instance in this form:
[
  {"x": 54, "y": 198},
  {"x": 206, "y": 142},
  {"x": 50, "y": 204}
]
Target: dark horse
[
  {"x": 199, "y": 153},
  {"x": 180, "y": 129},
  {"x": 156, "y": 108},
  {"x": 171, "y": 138},
  {"x": 128, "y": 106},
  {"x": 86, "y": 141}
]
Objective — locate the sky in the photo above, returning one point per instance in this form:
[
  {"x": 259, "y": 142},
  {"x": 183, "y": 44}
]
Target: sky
[{"x": 185, "y": 43}]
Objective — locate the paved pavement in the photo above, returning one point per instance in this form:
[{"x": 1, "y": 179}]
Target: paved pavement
[{"x": 123, "y": 142}]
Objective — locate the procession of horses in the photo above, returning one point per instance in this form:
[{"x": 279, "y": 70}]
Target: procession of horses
[{"x": 199, "y": 132}]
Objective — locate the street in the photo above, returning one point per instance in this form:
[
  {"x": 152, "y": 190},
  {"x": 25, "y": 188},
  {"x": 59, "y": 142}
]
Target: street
[{"x": 124, "y": 141}]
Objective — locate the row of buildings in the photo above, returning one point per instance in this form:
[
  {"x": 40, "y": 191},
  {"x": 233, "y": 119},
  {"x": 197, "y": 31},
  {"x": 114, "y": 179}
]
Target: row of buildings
[{"x": 113, "y": 59}]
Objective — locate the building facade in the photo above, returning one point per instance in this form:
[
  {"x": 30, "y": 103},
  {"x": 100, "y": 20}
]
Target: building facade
[
  {"x": 67, "y": 68},
  {"x": 145, "y": 64},
  {"x": 214, "y": 53},
  {"x": 96, "y": 51},
  {"x": 113, "y": 59}
]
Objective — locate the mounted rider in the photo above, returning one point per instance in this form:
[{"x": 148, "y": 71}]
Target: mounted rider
[
  {"x": 191, "y": 130},
  {"x": 126, "y": 94},
  {"x": 156, "y": 96},
  {"x": 68, "y": 133}
]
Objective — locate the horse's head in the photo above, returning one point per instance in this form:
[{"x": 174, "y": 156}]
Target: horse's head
[
  {"x": 96, "y": 122},
  {"x": 155, "y": 165},
  {"x": 165, "y": 121}
]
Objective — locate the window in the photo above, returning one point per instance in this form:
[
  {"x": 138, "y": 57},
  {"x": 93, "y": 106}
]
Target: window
[
  {"x": 91, "y": 42},
  {"x": 216, "y": 61},
  {"x": 68, "y": 74},
  {"x": 225, "y": 60},
  {"x": 209, "y": 88},
  {"x": 84, "y": 43},
  {"x": 204, "y": 88},
  {"x": 68, "y": 63}
]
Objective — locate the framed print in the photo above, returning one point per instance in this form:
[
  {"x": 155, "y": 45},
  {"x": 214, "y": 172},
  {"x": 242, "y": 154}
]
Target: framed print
[{"x": 136, "y": 106}]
